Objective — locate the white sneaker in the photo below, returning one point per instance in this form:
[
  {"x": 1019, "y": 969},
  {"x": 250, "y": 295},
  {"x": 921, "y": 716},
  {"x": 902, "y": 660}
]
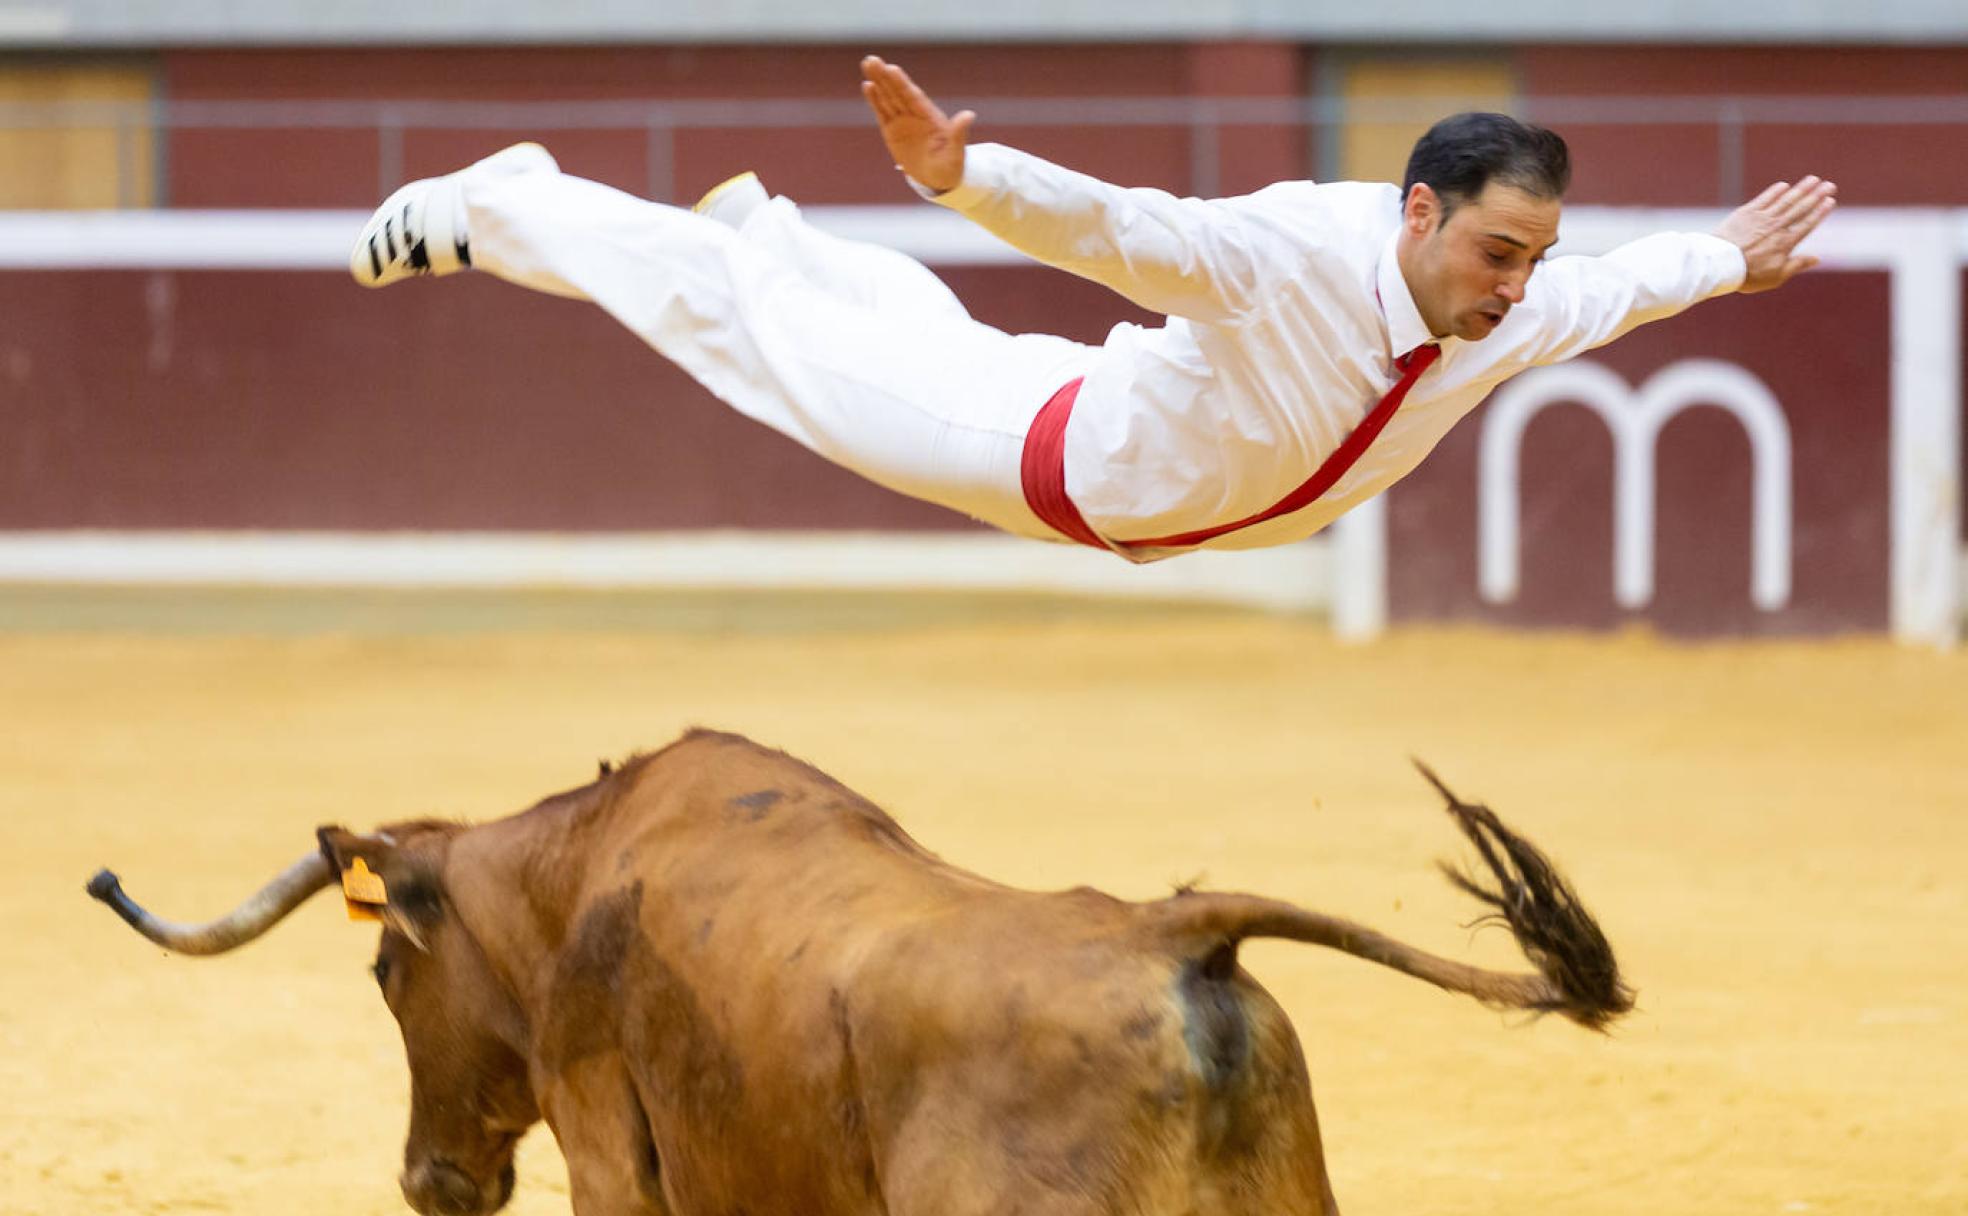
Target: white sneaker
[
  {"x": 733, "y": 199},
  {"x": 418, "y": 230}
]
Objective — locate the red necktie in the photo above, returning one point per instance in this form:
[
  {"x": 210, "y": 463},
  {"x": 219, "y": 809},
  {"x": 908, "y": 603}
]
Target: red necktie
[{"x": 1043, "y": 468}]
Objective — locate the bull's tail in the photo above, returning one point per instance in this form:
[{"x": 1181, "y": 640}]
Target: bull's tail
[{"x": 1576, "y": 973}]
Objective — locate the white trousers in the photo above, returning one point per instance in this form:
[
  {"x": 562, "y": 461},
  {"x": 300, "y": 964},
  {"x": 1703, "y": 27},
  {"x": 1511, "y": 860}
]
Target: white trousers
[{"x": 854, "y": 350}]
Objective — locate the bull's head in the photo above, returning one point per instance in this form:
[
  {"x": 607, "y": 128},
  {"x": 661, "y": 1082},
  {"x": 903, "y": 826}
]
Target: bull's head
[{"x": 464, "y": 1035}]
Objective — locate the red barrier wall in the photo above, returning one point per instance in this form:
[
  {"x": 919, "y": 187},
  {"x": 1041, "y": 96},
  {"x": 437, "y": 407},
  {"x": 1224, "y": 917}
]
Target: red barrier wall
[
  {"x": 1677, "y": 165},
  {"x": 299, "y": 400}
]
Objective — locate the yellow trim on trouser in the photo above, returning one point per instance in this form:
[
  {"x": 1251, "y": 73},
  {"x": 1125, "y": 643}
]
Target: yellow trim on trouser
[{"x": 718, "y": 191}]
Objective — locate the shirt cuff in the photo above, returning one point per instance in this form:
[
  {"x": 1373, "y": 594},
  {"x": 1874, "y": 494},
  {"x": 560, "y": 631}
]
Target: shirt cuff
[
  {"x": 981, "y": 164},
  {"x": 1727, "y": 268}
]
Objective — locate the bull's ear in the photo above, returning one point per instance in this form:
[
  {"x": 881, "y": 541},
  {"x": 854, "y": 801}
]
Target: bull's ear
[
  {"x": 341, "y": 847},
  {"x": 358, "y": 861},
  {"x": 416, "y": 901},
  {"x": 408, "y": 895}
]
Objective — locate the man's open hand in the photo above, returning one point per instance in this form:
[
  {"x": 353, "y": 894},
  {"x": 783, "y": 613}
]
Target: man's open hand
[
  {"x": 925, "y": 143},
  {"x": 1769, "y": 227}
]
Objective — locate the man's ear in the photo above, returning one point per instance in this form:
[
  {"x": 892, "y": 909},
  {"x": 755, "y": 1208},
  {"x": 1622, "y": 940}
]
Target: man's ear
[{"x": 1421, "y": 211}]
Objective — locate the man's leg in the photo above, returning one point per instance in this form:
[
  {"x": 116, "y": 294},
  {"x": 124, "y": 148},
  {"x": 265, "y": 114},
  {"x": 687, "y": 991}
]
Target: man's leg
[
  {"x": 873, "y": 276},
  {"x": 931, "y": 404}
]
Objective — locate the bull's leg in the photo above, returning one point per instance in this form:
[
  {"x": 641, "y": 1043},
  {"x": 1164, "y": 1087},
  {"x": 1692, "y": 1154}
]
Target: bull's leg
[
  {"x": 1186, "y": 1095},
  {"x": 612, "y": 1169},
  {"x": 1119, "y": 1143},
  {"x": 1011, "y": 1135},
  {"x": 1058, "y": 1171},
  {"x": 1258, "y": 1149}
]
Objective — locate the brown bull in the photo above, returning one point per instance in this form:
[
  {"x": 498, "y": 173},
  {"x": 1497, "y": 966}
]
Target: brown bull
[{"x": 730, "y": 985}]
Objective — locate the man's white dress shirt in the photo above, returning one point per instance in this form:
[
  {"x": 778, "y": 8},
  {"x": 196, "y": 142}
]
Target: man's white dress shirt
[{"x": 1286, "y": 309}]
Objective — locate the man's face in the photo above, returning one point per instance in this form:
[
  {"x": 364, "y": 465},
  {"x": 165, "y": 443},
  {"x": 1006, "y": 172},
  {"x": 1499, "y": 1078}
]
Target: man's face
[{"x": 1467, "y": 273}]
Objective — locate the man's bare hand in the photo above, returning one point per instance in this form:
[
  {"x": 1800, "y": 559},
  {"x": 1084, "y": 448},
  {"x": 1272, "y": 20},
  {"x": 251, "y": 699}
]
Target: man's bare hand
[
  {"x": 925, "y": 143},
  {"x": 1769, "y": 227}
]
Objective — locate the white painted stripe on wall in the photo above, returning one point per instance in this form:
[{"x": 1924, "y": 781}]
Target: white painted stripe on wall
[
  {"x": 321, "y": 240},
  {"x": 178, "y": 240},
  {"x": 1288, "y": 578},
  {"x": 1925, "y": 456}
]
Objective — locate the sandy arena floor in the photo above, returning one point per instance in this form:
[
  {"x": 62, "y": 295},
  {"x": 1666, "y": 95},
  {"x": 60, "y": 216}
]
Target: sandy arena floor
[{"x": 1774, "y": 836}]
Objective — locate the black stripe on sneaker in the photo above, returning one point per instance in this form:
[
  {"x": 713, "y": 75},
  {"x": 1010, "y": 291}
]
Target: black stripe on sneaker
[
  {"x": 375, "y": 262},
  {"x": 389, "y": 237}
]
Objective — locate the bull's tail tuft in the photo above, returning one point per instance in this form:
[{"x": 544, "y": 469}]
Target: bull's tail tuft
[
  {"x": 1533, "y": 900},
  {"x": 1576, "y": 975}
]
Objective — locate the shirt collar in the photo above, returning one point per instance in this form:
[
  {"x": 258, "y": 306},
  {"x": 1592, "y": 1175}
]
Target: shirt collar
[{"x": 1405, "y": 328}]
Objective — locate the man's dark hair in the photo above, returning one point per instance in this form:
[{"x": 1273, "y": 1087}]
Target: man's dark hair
[{"x": 1466, "y": 152}]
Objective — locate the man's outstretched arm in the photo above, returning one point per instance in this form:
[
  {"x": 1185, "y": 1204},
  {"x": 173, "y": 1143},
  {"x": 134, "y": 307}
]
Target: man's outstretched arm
[
  {"x": 1184, "y": 257},
  {"x": 1589, "y": 301}
]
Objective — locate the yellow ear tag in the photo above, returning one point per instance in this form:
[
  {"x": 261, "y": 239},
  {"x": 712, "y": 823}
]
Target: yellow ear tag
[{"x": 363, "y": 891}]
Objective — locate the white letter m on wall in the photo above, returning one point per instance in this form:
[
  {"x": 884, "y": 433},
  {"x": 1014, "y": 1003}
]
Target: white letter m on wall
[{"x": 1635, "y": 418}]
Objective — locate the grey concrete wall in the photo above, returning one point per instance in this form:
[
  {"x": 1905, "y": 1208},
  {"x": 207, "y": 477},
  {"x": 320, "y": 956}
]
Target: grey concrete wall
[{"x": 132, "y": 23}]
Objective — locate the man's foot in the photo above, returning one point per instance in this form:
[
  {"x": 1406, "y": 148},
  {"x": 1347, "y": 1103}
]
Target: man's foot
[
  {"x": 733, "y": 199},
  {"x": 420, "y": 230}
]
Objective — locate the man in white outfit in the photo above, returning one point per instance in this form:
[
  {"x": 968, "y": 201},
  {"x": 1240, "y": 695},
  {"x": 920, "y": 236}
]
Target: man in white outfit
[{"x": 1320, "y": 340}]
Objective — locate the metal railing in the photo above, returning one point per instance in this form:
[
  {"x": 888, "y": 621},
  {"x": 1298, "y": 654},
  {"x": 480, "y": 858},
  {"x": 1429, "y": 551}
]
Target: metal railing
[{"x": 1321, "y": 120}]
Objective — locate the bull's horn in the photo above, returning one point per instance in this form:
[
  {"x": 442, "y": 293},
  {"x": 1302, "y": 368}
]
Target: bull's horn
[{"x": 236, "y": 928}]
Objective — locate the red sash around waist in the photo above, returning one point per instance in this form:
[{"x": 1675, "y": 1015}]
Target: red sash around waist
[{"x": 1043, "y": 467}]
